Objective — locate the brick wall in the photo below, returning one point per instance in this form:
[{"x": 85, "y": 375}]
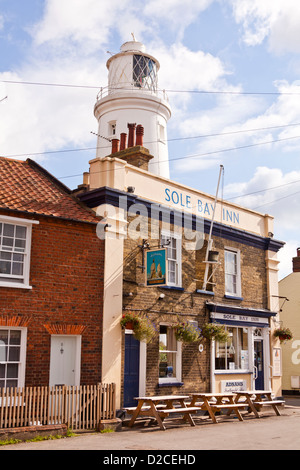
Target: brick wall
[{"x": 66, "y": 275}]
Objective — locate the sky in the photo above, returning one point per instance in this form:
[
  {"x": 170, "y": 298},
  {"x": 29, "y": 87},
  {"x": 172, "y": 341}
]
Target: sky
[{"x": 231, "y": 70}]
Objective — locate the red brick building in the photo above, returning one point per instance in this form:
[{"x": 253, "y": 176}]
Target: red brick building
[{"x": 51, "y": 281}]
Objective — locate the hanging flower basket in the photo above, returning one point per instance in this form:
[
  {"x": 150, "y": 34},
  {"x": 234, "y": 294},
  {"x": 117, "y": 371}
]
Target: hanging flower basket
[
  {"x": 187, "y": 333},
  {"x": 143, "y": 329},
  {"x": 129, "y": 321},
  {"x": 215, "y": 331},
  {"x": 284, "y": 334}
]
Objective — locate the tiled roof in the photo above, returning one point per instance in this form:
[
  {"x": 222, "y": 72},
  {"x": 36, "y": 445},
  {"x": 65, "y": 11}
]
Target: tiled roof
[{"x": 26, "y": 186}]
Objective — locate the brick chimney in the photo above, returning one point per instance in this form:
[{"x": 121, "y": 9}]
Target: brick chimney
[
  {"x": 296, "y": 262},
  {"x": 131, "y": 136},
  {"x": 135, "y": 153}
]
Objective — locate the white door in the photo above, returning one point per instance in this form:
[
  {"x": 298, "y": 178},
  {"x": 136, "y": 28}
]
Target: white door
[{"x": 64, "y": 360}]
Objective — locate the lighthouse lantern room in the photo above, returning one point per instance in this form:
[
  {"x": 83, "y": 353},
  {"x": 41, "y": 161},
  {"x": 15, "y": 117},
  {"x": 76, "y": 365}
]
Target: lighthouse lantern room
[{"x": 132, "y": 96}]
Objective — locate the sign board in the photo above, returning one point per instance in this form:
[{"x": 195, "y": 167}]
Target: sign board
[
  {"x": 233, "y": 385},
  {"x": 156, "y": 267},
  {"x": 229, "y": 317},
  {"x": 277, "y": 362}
]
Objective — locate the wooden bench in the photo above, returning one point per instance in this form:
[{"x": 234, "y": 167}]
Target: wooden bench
[
  {"x": 186, "y": 411},
  {"x": 230, "y": 407},
  {"x": 269, "y": 402},
  {"x": 190, "y": 409},
  {"x": 273, "y": 403},
  {"x": 144, "y": 409}
]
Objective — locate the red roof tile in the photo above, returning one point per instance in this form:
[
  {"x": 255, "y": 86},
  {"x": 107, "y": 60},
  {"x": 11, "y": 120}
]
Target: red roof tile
[{"x": 26, "y": 186}]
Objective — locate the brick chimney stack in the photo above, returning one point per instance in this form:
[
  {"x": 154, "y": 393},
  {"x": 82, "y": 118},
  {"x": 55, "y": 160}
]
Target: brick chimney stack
[
  {"x": 134, "y": 152},
  {"x": 296, "y": 262}
]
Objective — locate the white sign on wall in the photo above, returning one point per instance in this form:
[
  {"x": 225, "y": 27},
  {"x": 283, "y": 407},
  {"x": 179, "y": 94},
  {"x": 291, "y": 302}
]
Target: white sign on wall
[
  {"x": 233, "y": 385},
  {"x": 240, "y": 318}
]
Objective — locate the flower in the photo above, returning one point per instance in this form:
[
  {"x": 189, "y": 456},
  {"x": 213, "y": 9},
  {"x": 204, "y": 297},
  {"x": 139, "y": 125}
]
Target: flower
[
  {"x": 143, "y": 329},
  {"x": 187, "y": 332},
  {"x": 130, "y": 320},
  {"x": 215, "y": 331},
  {"x": 284, "y": 334}
]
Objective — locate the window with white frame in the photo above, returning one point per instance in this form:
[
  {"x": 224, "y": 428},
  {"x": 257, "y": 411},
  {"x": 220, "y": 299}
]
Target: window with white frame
[
  {"x": 169, "y": 355},
  {"x": 15, "y": 244},
  {"x": 173, "y": 244},
  {"x": 12, "y": 357},
  {"x": 234, "y": 353},
  {"x": 232, "y": 272},
  {"x": 112, "y": 125}
]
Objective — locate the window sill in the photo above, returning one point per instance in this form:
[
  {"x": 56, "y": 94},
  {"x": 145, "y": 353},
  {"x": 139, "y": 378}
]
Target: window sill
[
  {"x": 15, "y": 285},
  {"x": 172, "y": 288},
  {"x": 170, "y": 384},
  {"x": 205, "y": 292},
  {"x": 231, "y": 372},
  {"x": 233, "y": 297}
]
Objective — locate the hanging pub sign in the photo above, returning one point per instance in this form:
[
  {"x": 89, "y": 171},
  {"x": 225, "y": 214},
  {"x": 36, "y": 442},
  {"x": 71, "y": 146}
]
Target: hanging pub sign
[{"x": 156, "y": 267}]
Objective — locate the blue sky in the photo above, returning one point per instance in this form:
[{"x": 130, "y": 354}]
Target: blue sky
[{"x": 247, "y": 52}]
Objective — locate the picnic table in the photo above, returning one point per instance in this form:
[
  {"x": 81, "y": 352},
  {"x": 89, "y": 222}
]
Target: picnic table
[
  {"x": 160, "y": 407},
  {"x": 214, "y": 402},
  {"x": 259, "y": 398}
]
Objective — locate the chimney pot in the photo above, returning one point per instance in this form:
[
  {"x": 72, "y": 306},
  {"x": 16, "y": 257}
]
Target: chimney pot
[
  {"x": 115, "y": 145},
  {"x": 123, "y": 141},
  {"x": 139, "y": 135},
  {"x": 296, "y": 262},
  {"x": 131, "y": 137}
]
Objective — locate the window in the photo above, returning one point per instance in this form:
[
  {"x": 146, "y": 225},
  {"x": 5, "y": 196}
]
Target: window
[
  {"x": 12, "y": 357},
  {"x": 112, "y": 128},
  {"x": 234, "y": 354},
  {"x": 173, "y": 245},
  {"x": 232, "y": 273},
  {"x": 15, "y": 241},
  {"x": 169, "y": 355},
  {"x": 144, "y": 72}
]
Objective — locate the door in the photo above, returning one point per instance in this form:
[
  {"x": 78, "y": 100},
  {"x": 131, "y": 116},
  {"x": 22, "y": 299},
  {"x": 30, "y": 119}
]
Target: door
[
  {"x": 259, "y": 364},
  {"x": 64, "y": 360},
  {"x": 131, "y": 370}
]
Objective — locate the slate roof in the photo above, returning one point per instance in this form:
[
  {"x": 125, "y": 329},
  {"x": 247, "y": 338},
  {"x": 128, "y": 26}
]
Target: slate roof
[{"x": 27, "y": 187}]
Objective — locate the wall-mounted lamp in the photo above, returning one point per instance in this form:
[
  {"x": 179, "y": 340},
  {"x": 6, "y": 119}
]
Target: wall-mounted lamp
[
  {"x": 129, "y": 294},
  {"x": 130, "y": 189},
  {"x": 161, "y": 296}
]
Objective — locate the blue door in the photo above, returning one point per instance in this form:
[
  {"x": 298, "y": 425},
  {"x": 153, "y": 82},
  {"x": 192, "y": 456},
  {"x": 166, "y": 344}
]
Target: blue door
[
  {"x": 131, "y": 370},
  {"x": 259, "y": 365}
]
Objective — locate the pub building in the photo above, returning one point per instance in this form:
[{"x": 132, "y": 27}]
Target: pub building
[{"x": 145, "y": 214}]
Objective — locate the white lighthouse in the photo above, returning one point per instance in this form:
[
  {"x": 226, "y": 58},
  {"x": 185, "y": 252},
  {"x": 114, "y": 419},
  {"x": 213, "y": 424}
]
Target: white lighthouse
[{"x": 132, "y": 96}]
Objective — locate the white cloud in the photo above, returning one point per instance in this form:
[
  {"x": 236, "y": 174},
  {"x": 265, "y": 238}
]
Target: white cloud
[
  {"x": 286, "y": 255},
  {"x": 233, "y": 116},
  {"x": 86, "y": 23},
  {"x": 270, "y": 191},
  {"x": 281, "y": 199},
  {"x": 41, "y": 118},
  {"x": 176, "y": 13},
  {"x": 275, "y": 20}
]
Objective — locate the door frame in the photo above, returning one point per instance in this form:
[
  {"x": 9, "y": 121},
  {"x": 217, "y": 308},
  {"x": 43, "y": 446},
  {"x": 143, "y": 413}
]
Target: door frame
[
  {"x": 266, "y": 357},
  {"x": 77, "y": 356},
  {"x": 142, "y": 364},
  {"x": 259, "y": 340}
]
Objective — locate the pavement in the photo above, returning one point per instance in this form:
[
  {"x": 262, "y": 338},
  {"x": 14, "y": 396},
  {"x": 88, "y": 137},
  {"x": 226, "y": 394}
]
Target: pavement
[{"x": 269, "y": 432}]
